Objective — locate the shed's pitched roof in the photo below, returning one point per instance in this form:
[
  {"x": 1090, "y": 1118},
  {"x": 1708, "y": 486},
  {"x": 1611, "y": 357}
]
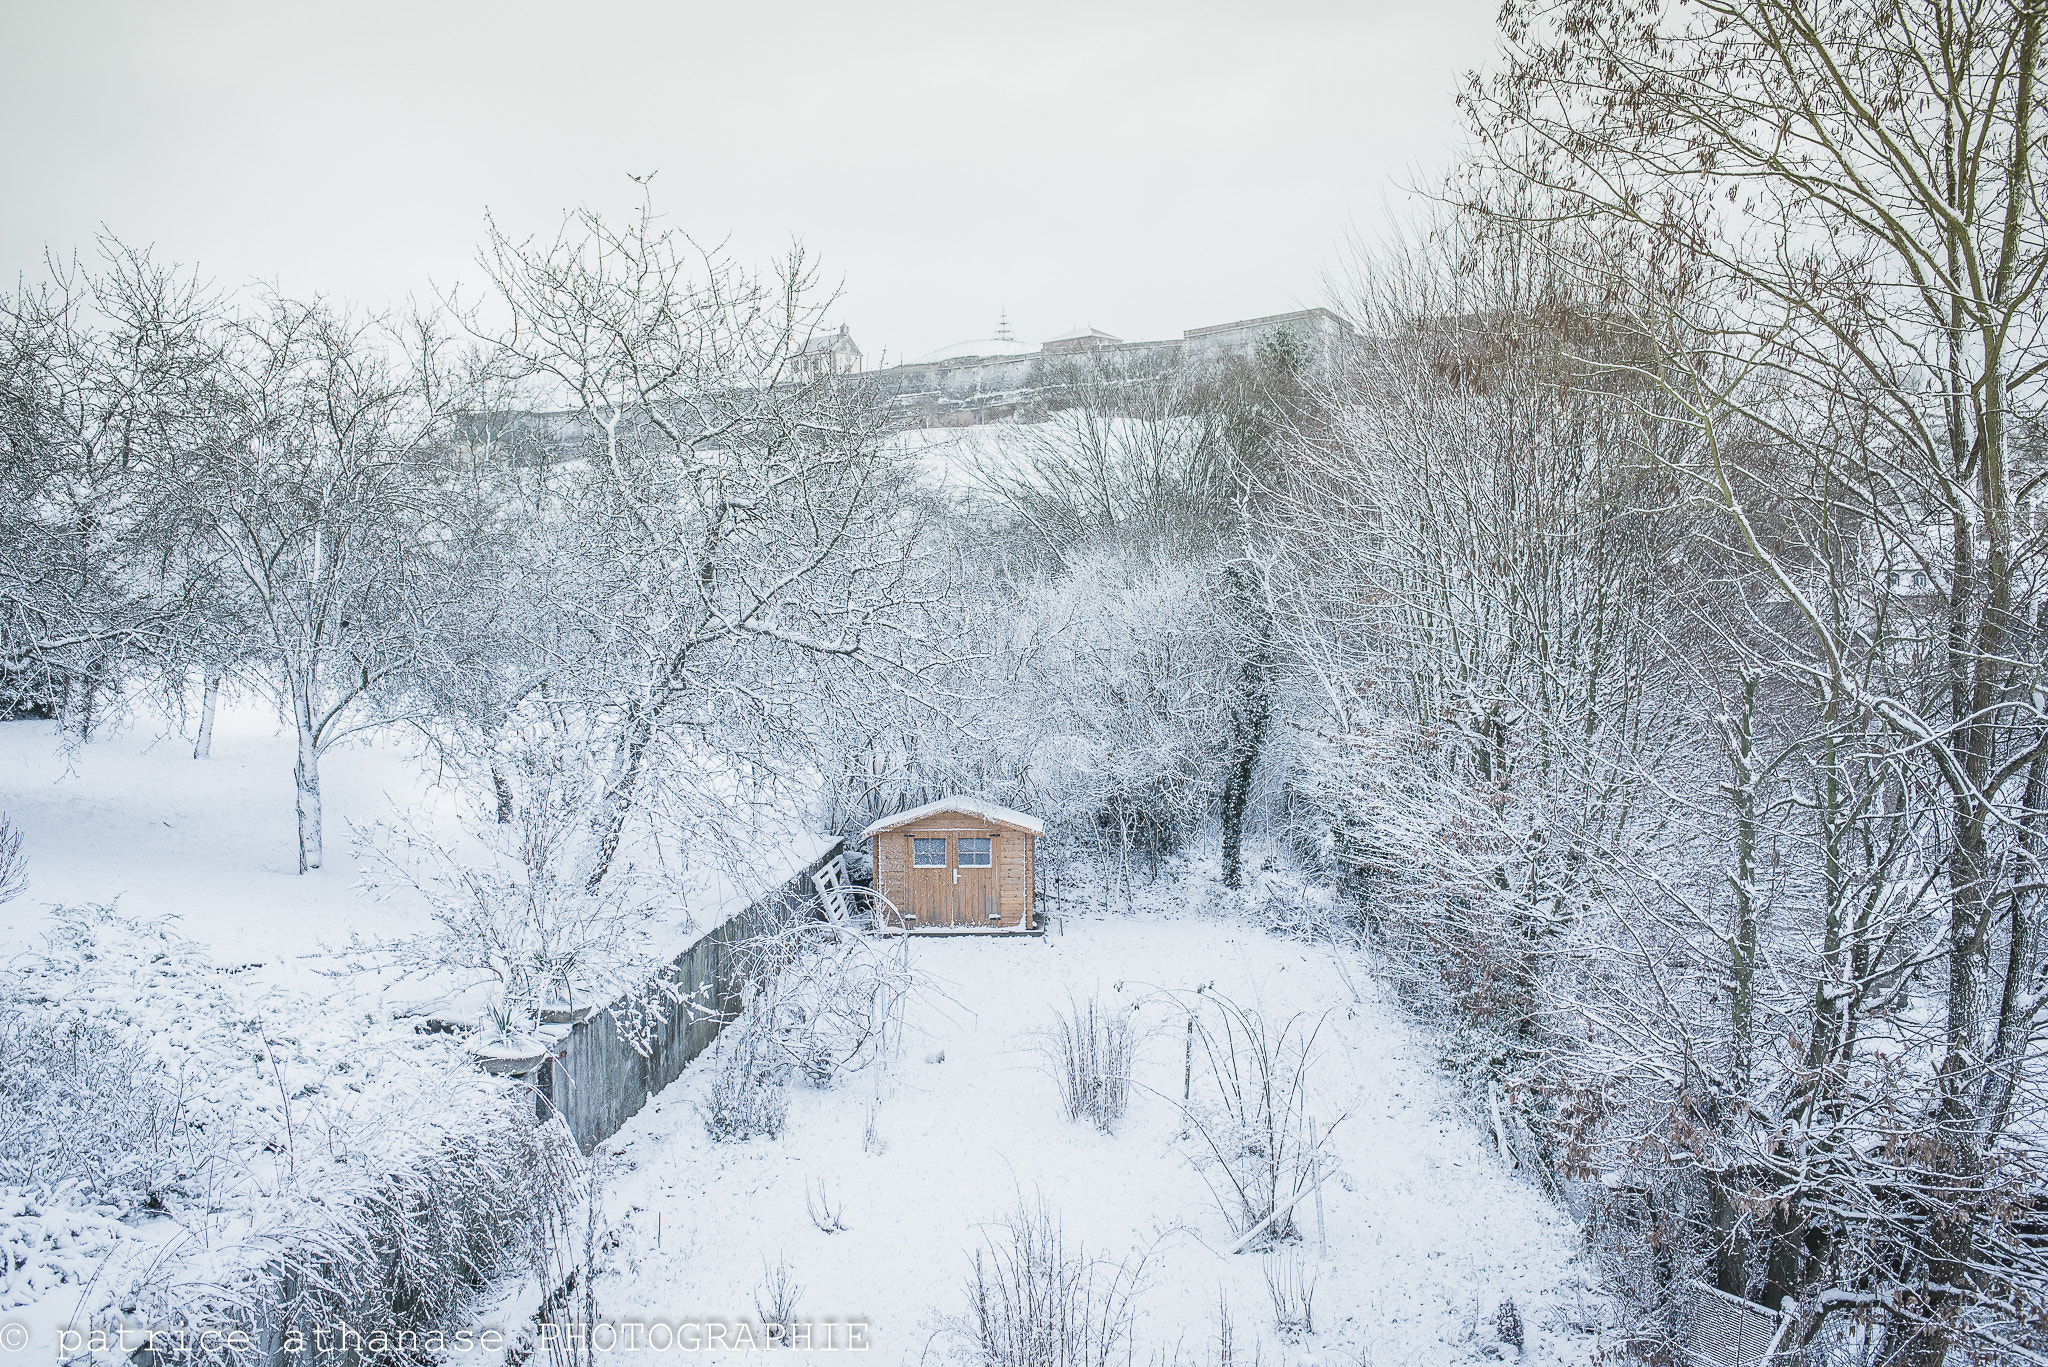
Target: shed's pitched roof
[{"x": 987, "y": 811}]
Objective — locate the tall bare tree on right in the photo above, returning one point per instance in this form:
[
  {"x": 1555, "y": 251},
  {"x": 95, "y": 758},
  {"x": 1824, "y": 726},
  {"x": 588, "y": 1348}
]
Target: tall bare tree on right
[{"x": 1855, "y": 191}]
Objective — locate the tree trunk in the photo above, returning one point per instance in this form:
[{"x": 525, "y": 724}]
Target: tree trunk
[
  {"x": 503, "y": 789},
  {"x": 2013, "y": 1032},
  {"x": 1248, "y": 722},
  {"x": 306, "y": 778},
  {"x": 1742, "y": 936},
  {"x": 609, "y": 825},
  {"x": 75, "y": 715},
  {"x": 1236, "y": 796},
  {"x": 203, "y": 745},
  {"x": 1725, "y": 1199}
]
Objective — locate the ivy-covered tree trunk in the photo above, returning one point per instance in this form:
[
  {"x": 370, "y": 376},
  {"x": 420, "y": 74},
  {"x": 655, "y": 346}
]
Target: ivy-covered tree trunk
[{"x": 1251, "y": 713}]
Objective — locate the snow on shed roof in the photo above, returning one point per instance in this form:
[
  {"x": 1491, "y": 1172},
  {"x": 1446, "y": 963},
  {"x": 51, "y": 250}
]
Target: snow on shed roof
[{"x": 987, "y": 811}]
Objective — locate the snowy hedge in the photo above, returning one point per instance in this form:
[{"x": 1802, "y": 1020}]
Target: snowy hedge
[{"x": 182, "y": 1147}]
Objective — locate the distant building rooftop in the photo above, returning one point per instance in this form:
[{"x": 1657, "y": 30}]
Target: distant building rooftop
[
  {"x": 1082, "y": 338},
  {"x": 980, "y": 346}
]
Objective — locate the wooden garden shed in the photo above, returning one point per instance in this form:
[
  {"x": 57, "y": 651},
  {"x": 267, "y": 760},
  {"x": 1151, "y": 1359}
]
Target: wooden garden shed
[{"x": 955, "y": 865}]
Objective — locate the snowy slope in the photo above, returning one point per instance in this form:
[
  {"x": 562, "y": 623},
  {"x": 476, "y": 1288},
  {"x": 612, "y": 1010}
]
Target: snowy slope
[
  {"x": 133, "y": 816},
  {"x": 133, "y": 819}
]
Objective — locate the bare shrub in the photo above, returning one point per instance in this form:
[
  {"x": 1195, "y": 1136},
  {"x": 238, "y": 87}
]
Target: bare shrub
[
  {"x": 1034, "y": 1302},
  {"x": 1227, "y": 1350},
  {"x": 1091, "y": 1050},
  {"x": 1226, "y": 1335},
  {"x": 871, "y": 1141},
  {"x": 746, "y": 1098},
  {"x": 775, "y": 1300},
  {"x": 13, "y": 863},
  {"x": 1292, "y": 1289},
  {"x": 829, "y": 1219},
  {"x": 1258, "y": 1147},
  {"x": 824, "y": 994}
]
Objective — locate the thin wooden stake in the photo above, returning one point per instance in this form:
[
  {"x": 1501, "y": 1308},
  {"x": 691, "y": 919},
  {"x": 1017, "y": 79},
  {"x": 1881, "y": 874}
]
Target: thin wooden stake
[{"x": 1322, "y": 1235}]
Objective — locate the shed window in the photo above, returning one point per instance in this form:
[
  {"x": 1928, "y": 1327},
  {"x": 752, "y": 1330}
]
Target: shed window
[
  {"x": 928, "y": 854},
  {"x": 974, "y": 852}
]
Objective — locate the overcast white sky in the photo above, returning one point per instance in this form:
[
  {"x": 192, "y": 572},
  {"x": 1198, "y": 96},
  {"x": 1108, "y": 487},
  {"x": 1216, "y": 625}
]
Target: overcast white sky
[{"x": 1147, "y": 168}]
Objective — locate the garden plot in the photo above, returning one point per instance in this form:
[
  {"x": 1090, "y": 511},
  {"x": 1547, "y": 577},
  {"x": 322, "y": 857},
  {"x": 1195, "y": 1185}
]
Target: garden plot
[
  {"x": 189, "y": 1085},
  {"x": 1420, "y": 1233}
]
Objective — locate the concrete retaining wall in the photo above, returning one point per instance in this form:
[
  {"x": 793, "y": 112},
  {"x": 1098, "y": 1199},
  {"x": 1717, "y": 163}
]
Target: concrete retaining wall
[{"x": 598, "y": 1080}]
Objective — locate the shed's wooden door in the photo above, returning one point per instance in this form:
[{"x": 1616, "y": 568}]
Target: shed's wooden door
[
  {"x": 974, "y": 891},
  {"x": 928, "y": 889}
]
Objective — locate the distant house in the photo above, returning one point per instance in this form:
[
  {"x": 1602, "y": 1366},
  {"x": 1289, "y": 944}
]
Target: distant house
[
  {"x": 1086, "y": 337},
  {"x": 827, "y": 353},
  {"x": 955, "y": 865},
  {"x": 1909, "y": 582}
]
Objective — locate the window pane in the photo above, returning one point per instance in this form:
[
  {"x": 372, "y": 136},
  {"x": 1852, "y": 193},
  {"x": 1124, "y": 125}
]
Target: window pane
[
  {"x": 974, "y": 852},
  {"x": 928, "y": 854}
]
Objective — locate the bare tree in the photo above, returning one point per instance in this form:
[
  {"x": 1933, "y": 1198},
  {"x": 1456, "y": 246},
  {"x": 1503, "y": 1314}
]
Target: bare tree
[
  {"x": 91, "y": 581},
  {"x": 1854, "y": 191},
  {"x": 736, "y": 535},
  {"x": 315, "y": 487}
]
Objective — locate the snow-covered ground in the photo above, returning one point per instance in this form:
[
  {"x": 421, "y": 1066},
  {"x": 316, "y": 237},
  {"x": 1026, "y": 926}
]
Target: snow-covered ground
[
  {"x": 1423, "y": 1230},
  {"x": 133, "y": 816},
  {"x": 131, "y": 819}
]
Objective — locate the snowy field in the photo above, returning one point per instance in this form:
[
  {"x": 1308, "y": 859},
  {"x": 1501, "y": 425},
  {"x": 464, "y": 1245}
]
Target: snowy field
[
  {"x": 133, "y": 817},
  {"x": 1422, "y": 1230},
  {"x": 132, "y": 820}
]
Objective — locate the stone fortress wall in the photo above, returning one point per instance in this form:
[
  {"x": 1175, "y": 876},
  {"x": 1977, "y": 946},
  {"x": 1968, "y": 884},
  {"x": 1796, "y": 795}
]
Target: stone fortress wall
[{"x": 961, "y": 391}]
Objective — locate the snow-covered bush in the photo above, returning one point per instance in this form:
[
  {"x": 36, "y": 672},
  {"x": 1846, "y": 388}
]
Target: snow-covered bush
[
  {"x": 281, "y": 1163},
  {"x": 512, "y": 907},
  {"x": 746, "y": 1097},
  {"x": 51, "y": 1238},
  {"x": 566, "y": 1195},
  {"x": 1090, "y": 1050},
  {"x": 818, "y": 999},
  {"x": 13, "y": 863},
  {"x": 1034, "y": 1301},
  {"x": 82, "y": 1106},
  {"x": 402, "y": 1248}
]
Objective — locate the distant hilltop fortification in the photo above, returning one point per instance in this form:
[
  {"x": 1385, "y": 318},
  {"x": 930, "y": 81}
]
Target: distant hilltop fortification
[{"x": 997, "y": 379}]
